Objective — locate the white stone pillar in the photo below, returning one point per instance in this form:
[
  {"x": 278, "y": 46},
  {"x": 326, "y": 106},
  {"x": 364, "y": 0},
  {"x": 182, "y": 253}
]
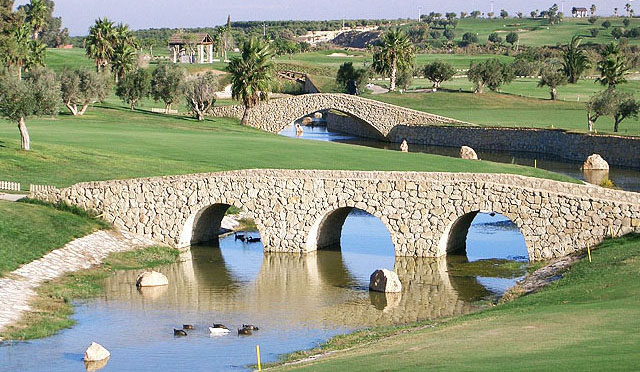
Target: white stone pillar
[
  {"x": 175, "y": 54},
  {"x": 201, "y": 53},
  {"x": 210, "y": 53}
]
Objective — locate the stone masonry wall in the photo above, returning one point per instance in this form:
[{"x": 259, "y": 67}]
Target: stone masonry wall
[
  {"x": 616, "y": 150},
  {"x": 418, "y": 209}
]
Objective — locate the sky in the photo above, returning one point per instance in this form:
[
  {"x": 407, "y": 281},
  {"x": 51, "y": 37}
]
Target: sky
[{"x": 78, "y": 15}]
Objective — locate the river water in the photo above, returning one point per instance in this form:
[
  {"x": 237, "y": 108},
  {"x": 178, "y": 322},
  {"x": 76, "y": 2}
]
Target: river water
[
  {"x": 298, "y": 301},
  {"x": 624, "y": 178}
]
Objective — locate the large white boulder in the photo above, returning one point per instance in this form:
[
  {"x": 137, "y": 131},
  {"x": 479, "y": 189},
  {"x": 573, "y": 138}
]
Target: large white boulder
[
  {"x": 151, "y": 279},
  {"x": 595, "y": 162},
  {"x": 384, "y": 280},
  {"x": 95, "y": 353},
  {"x": 468, "y": 153}
]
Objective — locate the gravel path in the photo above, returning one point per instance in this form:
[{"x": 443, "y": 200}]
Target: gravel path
[{"x": 18, "y": 287}]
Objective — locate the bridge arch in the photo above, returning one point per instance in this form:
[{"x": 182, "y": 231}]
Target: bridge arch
[
  {"x": 454, "y": 239},
  {"x": 326, "y": 231},
  {"x": 205, "y": 223}
]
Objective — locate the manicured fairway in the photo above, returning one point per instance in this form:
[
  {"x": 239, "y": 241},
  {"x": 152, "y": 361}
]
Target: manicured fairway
[
  {"x": 506, "y": 110},
  {"x": 112, "y": 142}
]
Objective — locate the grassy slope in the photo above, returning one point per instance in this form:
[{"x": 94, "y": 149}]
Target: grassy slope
[
  {"x": 536, "y": 32},
  {"x": 586, "y": 321},
  {"x": 52, "y": 306},
  {"x": 111, "y": 142},
  {"x": 27, "y": 232},
  {"x": 507, "y": 110}
]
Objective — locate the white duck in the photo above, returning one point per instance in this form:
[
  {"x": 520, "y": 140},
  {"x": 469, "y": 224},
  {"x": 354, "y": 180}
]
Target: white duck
[{"x": 218, "y": 330}]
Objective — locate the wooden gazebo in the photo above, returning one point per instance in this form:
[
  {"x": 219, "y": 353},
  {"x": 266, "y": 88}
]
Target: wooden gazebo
[{"x": 182, "y": 47}]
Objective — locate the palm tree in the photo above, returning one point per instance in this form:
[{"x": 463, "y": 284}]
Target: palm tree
[
  {"x": 627, "y": 7},
  {"x": 251, "y": 74},
  {"x": 24, "y": 52},
  {"x": 99, "y": 43},
  {"x": 123, "y": 60},
  {"x": 575, "y": 60},
  {"x": 37, "y": 13},
  {"x": 612, "y": 70},
  {"x": 396, "y": 52}
]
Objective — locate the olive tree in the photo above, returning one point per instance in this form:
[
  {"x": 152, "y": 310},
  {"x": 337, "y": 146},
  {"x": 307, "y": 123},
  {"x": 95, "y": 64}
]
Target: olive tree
[
  {"x": 492, "y": 74},
  {"x": 37, "y": 94},
  {"x": 624, "y": 106},
  {"x": 134, "y": 86},
  {"x": 438, "y": 72},
  {"x": 200, "y": 94},
  {"x": 348, "y": 75},
  {"x": 599, "y": 105},
  {"x": 552, "y": 76},
  {"x": 166, "y": 83},
  {"x": 81, "y": 87}
]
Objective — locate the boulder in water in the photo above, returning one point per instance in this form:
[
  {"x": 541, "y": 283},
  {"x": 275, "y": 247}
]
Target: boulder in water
[
  {"x": 384, "y": 280},
  {"x": 95, "y": 353},
  {"x": 595, "y": 162},
  {"x": 151, "y": 279},
  {"x": 468, "y": 153}
]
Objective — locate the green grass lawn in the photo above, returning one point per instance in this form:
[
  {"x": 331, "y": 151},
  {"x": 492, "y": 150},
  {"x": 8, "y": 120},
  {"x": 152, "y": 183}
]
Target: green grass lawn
[
  {"x": 588, "y": 320},
  {"x": 508, "y": 110},
  {"x": 536, "y": 32},
  {"x": 28, "y": 232},
  {"x": 111, "y": 142}
]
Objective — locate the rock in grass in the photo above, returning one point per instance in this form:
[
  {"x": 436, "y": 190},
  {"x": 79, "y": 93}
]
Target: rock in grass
[
  {"x": 595, "y": 162},
  {"x": 95, "y": 353},
  {"x": 468, "y": 153},
  {"x": 384, "y": 280},
  {"x": 151, "y": 279}
]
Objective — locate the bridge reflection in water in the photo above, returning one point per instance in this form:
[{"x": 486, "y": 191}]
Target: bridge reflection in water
[{"x": 327, "y": 288}]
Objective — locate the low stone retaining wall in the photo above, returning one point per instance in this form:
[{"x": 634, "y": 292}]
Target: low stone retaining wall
[{"x": 616, "y": 150}]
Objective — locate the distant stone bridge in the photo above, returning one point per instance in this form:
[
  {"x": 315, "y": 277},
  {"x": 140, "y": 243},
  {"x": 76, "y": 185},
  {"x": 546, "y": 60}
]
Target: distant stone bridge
[
  {"x": 274, "y": 115},
  {"x": 426, "y": 214}
]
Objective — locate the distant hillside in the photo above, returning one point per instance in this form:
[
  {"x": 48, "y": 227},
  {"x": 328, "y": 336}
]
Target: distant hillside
[{"x": 355, "y": 39}]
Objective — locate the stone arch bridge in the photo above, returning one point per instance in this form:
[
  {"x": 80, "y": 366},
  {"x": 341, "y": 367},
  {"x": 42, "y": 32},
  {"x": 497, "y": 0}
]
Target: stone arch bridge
[
  {"x": 427, "y": 214},
  {"x": 275, "y": 114}
]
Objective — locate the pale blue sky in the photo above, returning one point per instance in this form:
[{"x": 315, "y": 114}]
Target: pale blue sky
[{"x": 78, "y": 15}]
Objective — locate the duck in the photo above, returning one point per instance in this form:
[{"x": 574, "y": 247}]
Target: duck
[
  {"x": 244, "y": 331},
  {"x": 218, "y": 330},
  {"x": 238, "y": 237},
  {"x": 188, "y": 326},
  {"x": 250, "y": 327},
  {"x": 179, "y": 332},
  {"x": 253, "y": 240}
]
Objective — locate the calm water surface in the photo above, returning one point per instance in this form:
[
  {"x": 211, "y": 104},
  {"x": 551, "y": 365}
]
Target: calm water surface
[
  {"x": 298, "y": 301},
  {"x": 625, "y": 178}
]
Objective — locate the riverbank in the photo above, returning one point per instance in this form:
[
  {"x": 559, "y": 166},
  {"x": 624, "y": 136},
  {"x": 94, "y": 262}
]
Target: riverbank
[
  {"x": 42, "y": 255},
  {"x": 50, "y": 309},
  {"x": 586, "y": 320}
]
